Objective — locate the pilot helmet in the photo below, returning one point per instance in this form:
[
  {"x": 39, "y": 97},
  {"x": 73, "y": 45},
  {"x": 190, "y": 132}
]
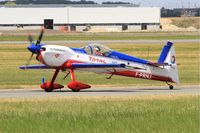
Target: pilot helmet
[{"x": 97, "y": 48}]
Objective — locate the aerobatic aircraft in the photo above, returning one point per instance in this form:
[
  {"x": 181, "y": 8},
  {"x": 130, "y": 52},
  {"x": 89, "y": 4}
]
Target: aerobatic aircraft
[{"x": 99, "y": 59}]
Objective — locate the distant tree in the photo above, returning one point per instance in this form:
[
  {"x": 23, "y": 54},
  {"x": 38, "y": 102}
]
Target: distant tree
[
  {"x": 3, "y": 2},
  {"x": 197, "y": 12},
  {"x": 170, "y": 13},
  {"x": 111, "y": 2},
  {"x": 10, "y": 3},
  {"x": 54, "y": 2},
  {"x": 24, "y": 1}
]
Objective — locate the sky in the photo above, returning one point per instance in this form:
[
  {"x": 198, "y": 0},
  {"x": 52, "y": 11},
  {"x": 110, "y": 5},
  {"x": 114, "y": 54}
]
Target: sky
[{"x": 159, "y": 3}]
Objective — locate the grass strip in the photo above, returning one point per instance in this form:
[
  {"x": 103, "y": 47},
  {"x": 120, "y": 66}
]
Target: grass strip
[{"x": 161, "y": 114}]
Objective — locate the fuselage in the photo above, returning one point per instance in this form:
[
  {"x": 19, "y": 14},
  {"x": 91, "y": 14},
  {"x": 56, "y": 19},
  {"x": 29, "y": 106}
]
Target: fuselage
[{"x": 58, "y": 56}]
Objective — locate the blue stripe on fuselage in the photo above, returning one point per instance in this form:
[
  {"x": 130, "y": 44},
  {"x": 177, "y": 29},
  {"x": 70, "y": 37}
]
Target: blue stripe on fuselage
[
  {"x": 80, "y": 50},
  {"x": 117, "y": 55},
  {"x": 121, "y": 56}
]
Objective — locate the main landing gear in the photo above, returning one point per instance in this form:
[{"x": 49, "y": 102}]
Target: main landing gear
[
  {"x": 171, "y": 87},
  {"x": 74, "y": 85},
  {"x": 50, "y": 86}
]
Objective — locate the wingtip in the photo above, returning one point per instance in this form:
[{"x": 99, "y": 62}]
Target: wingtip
[{"x": 22, "y": 67}]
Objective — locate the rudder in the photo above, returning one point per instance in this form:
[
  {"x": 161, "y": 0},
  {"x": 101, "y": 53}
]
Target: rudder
[{"x": 168, "y": 56}]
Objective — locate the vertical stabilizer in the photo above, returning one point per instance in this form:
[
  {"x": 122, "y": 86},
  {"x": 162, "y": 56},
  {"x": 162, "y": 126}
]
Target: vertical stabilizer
[
  {"x": 165, "y": 51},
  {"x": 168, "y": 56}
]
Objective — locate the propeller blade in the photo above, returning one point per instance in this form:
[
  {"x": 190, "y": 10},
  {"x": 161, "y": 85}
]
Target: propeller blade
[
  {"x": 40, "y": 37},
  {"x": 29, "y": 60},
  {"x": 30, "y": 38}
]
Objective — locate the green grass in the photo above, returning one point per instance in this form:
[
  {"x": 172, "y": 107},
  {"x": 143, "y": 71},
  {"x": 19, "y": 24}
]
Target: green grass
[
  {"x": 158, "y": 114},
  {"x": 108, "y": 36},
  {"x": 13, "y": 56}
]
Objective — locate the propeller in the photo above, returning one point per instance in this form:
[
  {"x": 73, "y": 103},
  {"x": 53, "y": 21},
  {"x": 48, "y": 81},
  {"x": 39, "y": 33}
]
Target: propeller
[
  {"x": 34, "y": 48},
  {"x": 29, "y": 60},
  {"x": 40, "y": 37},
  {"x": 30, "y": 38}
]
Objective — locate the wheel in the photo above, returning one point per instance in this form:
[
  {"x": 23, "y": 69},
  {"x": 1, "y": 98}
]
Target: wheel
[
  {"x": 171, "y": 87},
  {"x": 48, "y": 90},
  {"x": 75, "y": 90}
]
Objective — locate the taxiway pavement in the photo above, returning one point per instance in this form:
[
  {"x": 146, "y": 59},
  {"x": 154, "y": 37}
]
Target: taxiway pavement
[{"x": 122, "y": 91}]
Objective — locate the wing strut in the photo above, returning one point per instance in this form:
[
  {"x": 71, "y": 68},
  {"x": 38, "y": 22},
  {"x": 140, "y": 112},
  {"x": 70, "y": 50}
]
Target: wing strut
[
  {"x": 66, "y": 75},
  {"x": 111, "y": 74}
]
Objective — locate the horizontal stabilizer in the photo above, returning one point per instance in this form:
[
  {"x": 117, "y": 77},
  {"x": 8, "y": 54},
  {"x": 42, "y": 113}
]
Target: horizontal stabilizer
[{"x": 158, "y": 64}]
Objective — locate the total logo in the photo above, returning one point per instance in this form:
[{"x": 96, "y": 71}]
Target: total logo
[{"x": 93, "y": 59}]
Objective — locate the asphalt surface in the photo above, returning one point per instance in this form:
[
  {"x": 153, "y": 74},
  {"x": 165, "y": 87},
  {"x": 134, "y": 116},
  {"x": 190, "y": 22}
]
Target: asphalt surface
[
  {"x": 135, "y": 91},
  {"x": 106, "y": 41}
]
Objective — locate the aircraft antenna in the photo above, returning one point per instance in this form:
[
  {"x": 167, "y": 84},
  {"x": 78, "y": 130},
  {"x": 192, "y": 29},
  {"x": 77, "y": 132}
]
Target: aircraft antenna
[{"x": 148, "y": 53}]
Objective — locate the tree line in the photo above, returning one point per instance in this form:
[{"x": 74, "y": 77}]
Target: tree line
[{"x": 23, "y": 2}]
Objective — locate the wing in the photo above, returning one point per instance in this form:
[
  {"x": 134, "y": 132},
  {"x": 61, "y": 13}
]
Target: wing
[
  {"x": 36, "y": 67},
  {"x": 89, "y": 65},
  {"x": 98, "y": 68},
  {"x": 76, "y": 66}
]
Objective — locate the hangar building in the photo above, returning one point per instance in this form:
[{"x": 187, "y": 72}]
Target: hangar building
[{"x": 80, "y": 18}]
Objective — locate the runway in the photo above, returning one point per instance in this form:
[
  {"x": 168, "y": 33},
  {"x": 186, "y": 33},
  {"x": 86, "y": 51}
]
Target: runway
[{"x": 114, "y": 91}]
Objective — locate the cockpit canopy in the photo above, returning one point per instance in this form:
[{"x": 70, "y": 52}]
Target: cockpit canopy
[
  {"x": 100, "y": 50},
  {"x": 97, "y": 49}
]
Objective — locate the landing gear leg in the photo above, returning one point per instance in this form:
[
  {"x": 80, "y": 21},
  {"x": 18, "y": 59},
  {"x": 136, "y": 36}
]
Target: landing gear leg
[
  {"x": 74, "y": 85},
  {"x": 54, "y": 76},
  {"x": 50, "y": 88},
  {"x": 171, "y": 87}
]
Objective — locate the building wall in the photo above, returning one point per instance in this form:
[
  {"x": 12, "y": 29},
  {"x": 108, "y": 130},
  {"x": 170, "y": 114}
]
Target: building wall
[
  {"x": 134, "y": 27},
  {"x": 80, "y": 15},
  {"x": 153, "y": 27},
  {"x": 32, "y": 15},
  {"x": 99, "y": 15}
]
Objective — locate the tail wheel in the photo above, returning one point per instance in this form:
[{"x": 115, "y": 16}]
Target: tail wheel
[{"x": 171, "y": 87}]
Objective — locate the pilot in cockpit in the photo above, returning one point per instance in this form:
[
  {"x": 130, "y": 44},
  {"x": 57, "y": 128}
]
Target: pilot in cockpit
[{"x": 97, "y": 51}]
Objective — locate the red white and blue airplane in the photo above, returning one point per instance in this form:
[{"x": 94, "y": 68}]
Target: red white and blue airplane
[{"x": 100, "y": 59}]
